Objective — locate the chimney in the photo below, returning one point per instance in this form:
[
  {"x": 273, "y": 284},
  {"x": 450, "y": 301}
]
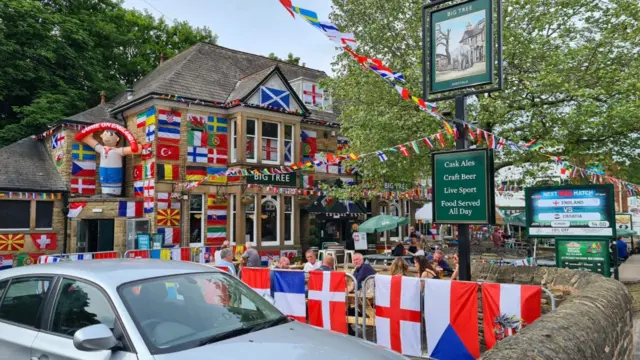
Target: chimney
[
  {"x": 161, "y": 58},
  {"x": 129, "y": 93},
  {"x": 102, "y": 94}
]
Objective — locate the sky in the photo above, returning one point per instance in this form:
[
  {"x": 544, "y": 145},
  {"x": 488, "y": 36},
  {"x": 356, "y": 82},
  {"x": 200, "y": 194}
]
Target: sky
[{"x": 255, "y": 26}]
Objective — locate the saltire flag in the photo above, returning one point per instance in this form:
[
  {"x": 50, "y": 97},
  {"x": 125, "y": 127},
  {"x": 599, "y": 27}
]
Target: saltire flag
[
  {"x": 11, "y": 242},
  {"x": 326, "y": 304},
  {"x": 519, "y": 302},
  {"x": 217, "y": 175},
  {"x": 217, "y": 156},
  {"x": 402, "y": 91},
  {"x": 138, "y": 189},
  {"x": 259, "y": 279},
  {"x": 403, "y": 150},
  {"x": 288, "y": 151},
  {"x": 137, "y": 172},
  {"x": 382, "y": 156},
  {"x": 206, "y": 256},
  {"x": 75, "y": 208},
  {"x": 169, "y": 217},
  {"x": 181, "y": 254},
  {"x": 289, "y": 294},
  {"x": 130, "y": 209},
  {"x": 197, "y": 122},
  {"x": 449, "y": 311},
  {"x": 169, "y": 134},
  {"x": 6, "y": 262},
  {"x": 147, "y": 151},
  {"x": 82, "y": 152},
  {"x": 149, "y": 169},
  {"x": 196, "y": 173},
  {"x": 275, "y": 98},
  {"x": 150, "y": 133},
  {"x": 83, "y": 168},
  {"x": 146, "y": 118},
  {"x": 217, "y": 125},
  {"x": 387, "y": 73},
  {"x": 57, "y": 140},
  {"x": 168, "y": 172},
  {"x": 170, "y": 118},
  {"x": 219, "y": 141},
  {"x": 148, "y": 205},
  {"x": 216, "y": 235},
  {"x": 197, "y": 138},
  {"x": 149, "y": 188},
  {"x": 167, "y": 152},
  {"x": 164, "y": 201},
  {"x": 83, "y": 186}
]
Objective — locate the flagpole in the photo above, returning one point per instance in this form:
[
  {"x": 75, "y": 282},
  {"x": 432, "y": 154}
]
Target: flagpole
[{"x": 464, "y": 239}]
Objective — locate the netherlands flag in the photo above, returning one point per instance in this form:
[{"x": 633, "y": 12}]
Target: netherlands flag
[
  {"x": 258, "y": 279},
  {"x": 288, "y": 294},
  {"x": 6, "y": 262},
  {"x": 519, "y": 301},
  {"x": 451, "y": 312}
]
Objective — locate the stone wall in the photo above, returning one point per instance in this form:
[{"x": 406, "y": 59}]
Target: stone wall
[{"x": 594, "y": 322}]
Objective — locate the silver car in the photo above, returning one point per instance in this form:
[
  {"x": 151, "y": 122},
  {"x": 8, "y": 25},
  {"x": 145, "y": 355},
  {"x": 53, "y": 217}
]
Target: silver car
[{"x": 128, "y": 309}]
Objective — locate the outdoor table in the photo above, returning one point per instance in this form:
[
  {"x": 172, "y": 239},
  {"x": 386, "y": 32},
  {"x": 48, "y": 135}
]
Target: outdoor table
[{"x": 384, "y": 259}]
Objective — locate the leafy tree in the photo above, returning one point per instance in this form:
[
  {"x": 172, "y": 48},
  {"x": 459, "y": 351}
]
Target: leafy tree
[
  {"x": 57, "y": 56},
  {"x": 295, "y": 60},
  {"x": 571, "y": 76}
]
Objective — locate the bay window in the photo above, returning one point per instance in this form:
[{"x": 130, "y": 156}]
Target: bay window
[
  {"x": 270, "y": 143},
  {"x": 251, "y": 140}
]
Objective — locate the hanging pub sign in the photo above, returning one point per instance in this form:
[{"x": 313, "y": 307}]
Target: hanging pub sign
[
  {"x": 288, "y": 179},
  {"x": 624, "y": 222}
]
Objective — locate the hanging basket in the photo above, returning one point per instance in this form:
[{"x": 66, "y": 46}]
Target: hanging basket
[
  {"x": 246, "y": 200},
  {"x": 304, "y": 200}
]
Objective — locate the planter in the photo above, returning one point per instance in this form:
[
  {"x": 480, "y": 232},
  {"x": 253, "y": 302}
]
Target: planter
[
  {"x": 247, "y": 200},
  {"x": 304, "y": 200}
]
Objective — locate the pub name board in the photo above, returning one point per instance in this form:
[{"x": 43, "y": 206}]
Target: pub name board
[
  {"x": 273, "y": 179},
  {"x": 463, "y": 187}
]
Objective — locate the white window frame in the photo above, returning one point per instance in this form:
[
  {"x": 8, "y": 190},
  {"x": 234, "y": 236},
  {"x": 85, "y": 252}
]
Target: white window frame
[
  {"x": 255, "y": 222},
  {"x": 262, "y": 140},
  {"x": 232, "y": 220},
  {"x": 234, "y": 141},
  {"x": 398, "y": 210},
  {"x": 203, "y": 216},
  {"x": 292, "y": 225},
  {"x": 274, "y": 199},
  {"x": 255, "y": 141},
  {"x": 293, "y": 144}
]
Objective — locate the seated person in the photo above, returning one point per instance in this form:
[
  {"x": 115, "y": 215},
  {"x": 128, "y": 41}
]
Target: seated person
[
  {"x": 413, "y": 247},
  {"x": 398, "y": 250},
  {"x": 312, "y": 261},
  {"x": 438, "y": 260},
  {"x": 283, "y": 263},
  {"x": 327, "y": 263},
  {"x": 226, "y": 256},
  {"x": 399, "y": 267},
  {"x": 361, "y": 271},
  {"x": 425, "y": 269}
]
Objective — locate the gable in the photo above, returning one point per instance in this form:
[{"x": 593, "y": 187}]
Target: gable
[{"x": 276, "y": 93}]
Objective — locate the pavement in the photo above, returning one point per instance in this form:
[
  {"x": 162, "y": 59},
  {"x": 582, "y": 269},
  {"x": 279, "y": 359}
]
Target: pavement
[
  {"x": 630, "y": 271},
  {"x": 629, "y": 274}
]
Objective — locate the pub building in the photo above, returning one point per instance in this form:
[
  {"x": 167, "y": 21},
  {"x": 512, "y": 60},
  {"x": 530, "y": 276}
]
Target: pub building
[{"x": 199, "y": 113}]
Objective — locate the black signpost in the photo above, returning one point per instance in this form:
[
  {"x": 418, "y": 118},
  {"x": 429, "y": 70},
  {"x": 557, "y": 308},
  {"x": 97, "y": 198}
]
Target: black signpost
[{"x": 462, "y": 56}]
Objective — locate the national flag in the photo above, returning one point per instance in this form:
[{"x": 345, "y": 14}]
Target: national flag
[
  {"x": 6, "y": 262},
  {"x": 170, "y": 118},
  {"x": 398, "y": 313},
  {"x": 500, "y": 144},
  {"x": 147, "y": 151},
  {"x": 382, "y": 156},
  {"x": 448, "y": 128},
  {"x": 428, "y": 142},
  {"x": 169, "y": 217},
  {"x": 181, "y": 254},
  {"x": 75, "y": 208},
  {"x": 402, "y": 91},
  {"x": 59, "y": 158},
  {"x": 387, "y": 74},
  {"x": 146, "y": 118},
  {"x": 169, "y": 134},
  {"x": 258, "y": 279},
  {"x": 165, "y": 202},
  {"x": 168, "y": 172},
  {"x": 48, "y": 241},
  {"x": 83, "y": 186},
  {"x": 441, "y": 139},
  {"x": 82, "y": 152},
  {"x": 197, "y": 122},
  {"x": 197, "y": 138},
  {"x": 149, "y": 188},
  {"x": 206, "y": 256},
  {"x": 137, "y": 172},
  {"x": 57, "y": 140},
  {"x": 26, "y": 259},
  {"x": 217, "y": 156},
  {"x": 149, "y": 169},
  {"x": 219, "y": 141},
  {"x": 289, "y": 293},
  {"x": 403, "y": 150},
  {"x": 353, "y": 156},
  {"x": 307, "y": 182},
  {"x": 274, "y": 98},
  {"x": 150, "y": 133},
  {"x": 448, "y": 312},
  {"x": 83, "y": 168},
  {"x": 308, "y": 15},
  {"x": 342, "y": 39},
  {"x": 414, "y": 145},
  {"x": 311, "y": 94},
  {"x": 217, "y": 175},
  {"x": 46, "y": 259},
  {"x": 130, "y": 209},
  {"x": 196, "y": 173},
  {"x": 216, "y": 235},
  {"x": 520, "y": 303},
  {"x": 11, "y": 242},
  {"x": 288, "y": 151},
  {"x": 308, "y": 143},
  {"x": 138, "y": 189},
  {"x": 327, "y": 306},
  {"x": 168, "y": 152},
  {"x": 217, "y": 216},
  {"x": 217, "y": 125},
  {"x": 148, "y": 205},
  {"x": 270, "y": 150}
]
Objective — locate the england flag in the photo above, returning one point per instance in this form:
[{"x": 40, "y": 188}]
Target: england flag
[{"x": 327, "y": 306}]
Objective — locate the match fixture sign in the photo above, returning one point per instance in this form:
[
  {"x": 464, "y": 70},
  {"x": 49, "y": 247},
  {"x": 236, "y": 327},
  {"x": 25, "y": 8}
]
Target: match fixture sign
[{"x": 463, "y": 187}]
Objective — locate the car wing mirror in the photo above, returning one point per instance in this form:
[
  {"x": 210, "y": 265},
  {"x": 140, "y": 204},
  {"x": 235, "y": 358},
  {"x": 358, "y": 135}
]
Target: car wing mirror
[{"x": 94, "y": 338}]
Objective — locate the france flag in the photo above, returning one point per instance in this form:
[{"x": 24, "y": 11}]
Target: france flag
[{"x": 289, "y": 294}]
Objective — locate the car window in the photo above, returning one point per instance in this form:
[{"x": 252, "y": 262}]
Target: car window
[
  {"x": 22, "y": 300},
  {"x": 3, "y": 287},
  {"x": 79, "y": 305}
]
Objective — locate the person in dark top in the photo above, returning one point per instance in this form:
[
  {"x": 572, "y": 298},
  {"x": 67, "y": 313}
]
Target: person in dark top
[
  {"x": 413, "y": 247},
  {"x": 351, "y": 243},
  {"x": 438, "y": 260},
  {"x": 361, "y": 272},
  {"x": 398, "y": 250},
  {"x": 622, "y": 249},
  {"x": 327, "y": 264}
]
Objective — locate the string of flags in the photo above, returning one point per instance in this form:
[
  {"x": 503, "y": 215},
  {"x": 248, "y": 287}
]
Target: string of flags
[
  {"x": 30, "y": 195},
  {"x": 52, "y": 130},
  {"x": 414, "y": 194},
  {"x": 348, "y": 43}
]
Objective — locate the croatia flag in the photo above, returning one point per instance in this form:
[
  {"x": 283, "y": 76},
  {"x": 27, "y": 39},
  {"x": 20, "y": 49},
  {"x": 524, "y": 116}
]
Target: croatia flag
[
  {"x": 327, "y": 306},
  {"x": 258, "y": 279},
  {"x": 6, "y": 262},
  {"x": 522, "y": 302},
  {"x": 450, "y": 313},
  {"x": 398, "y": 314},
  {"x": 288, "y": 294}
]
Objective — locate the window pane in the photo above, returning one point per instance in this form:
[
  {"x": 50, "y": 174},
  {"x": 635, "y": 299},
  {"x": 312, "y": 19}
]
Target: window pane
[
  {"x": 234, "y": 140},
  {"x": 196, "y": 202},
  {"x": 270, "y": 149},
  {"x": 251, "y": 127},
  {"x": 81, "y": 305},
  {"x": 44, "y": 214},
  {"x": 269, "y": 220},
  {"x": 270, "y": 130},
  {"x": 232, "y": 221},
  {"x": 288, "y": 132},
  {"x": 22, "y": 302},
  {"x": 195, "y": 225},
  {"x": 288, "y": 201},
  {"x": 251, "y": 148},
  {"x": 15, "y": 214},
  {"x": 249, "y": 209},
  {"x": 3, "y": 287}
]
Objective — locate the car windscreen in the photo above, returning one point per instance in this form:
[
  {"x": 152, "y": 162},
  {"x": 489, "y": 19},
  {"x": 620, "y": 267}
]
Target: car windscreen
[{"x": 180, "y": 312}]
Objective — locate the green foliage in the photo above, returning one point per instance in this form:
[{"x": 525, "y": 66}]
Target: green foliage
[
  {"x": 572, "y": 78},
  {"x": 57, "y": 56},
  {"x": 295, "y": 60}
]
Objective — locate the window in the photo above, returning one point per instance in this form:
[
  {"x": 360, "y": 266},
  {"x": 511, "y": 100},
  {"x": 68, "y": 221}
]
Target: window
[
  {"x": 234, "y": 140},
  {"x": 232, "y": 220},
  {"x": 394, "y": 211},
  {"x": 289, "y": 145},
  {"x": 270, "y": 221},
  {"x": 3, "y": 287},
  {"x": 288, "y": 220},
  {"x": 250, "y": 214},
  {"x": 15, "y": 214},
  {"x": 23, "y": 299},
  {"x": 196, "y": 220},
  {"x": 80, "y": 305},
  {"x": 368, "y": 206},
  {"x": 251, "y": 140},
  {"x": 270, "y": 143},
  {"x": 44, "y": 214}
]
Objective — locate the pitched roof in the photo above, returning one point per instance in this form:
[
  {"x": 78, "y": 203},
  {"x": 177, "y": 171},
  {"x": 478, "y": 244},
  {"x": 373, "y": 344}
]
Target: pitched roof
[
  {"x": 247, "y": 84},
  {"x": 213, "y": 73},
  {"x": 27, "y": 165},
  {"x": 95, "y": 115}
]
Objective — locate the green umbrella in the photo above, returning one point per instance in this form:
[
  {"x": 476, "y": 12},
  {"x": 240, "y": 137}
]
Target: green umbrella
[
  {"x": 518, "y": 219},
  {"x": 624, "y": 233},
  {"x": 402, "y": 220},
  {"x": 382, "y": 223}
]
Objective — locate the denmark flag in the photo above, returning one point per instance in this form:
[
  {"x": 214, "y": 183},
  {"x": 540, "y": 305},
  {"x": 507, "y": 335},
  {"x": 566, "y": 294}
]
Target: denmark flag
[
  {"x": 398, "y": 314},
  {"x": 258, "y": 279},
  {"x": 521, "y": 302},
  {"x": 326, "y": 305}
]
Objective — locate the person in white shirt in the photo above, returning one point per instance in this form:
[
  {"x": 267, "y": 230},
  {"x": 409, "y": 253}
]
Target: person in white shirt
[
  {"x": 312, "y": 261},
  {"x": 216, "y": 255}
]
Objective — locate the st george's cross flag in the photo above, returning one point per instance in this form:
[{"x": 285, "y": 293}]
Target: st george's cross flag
[
  {"x": 258, "y": 279},
  {"x": 398, "y": 314},
  {"x": 288, "y": 294},
  {"x": 449, "y": 309},
  {"x": 522, "y": 302},
  {"x": 327, "y": 306}
]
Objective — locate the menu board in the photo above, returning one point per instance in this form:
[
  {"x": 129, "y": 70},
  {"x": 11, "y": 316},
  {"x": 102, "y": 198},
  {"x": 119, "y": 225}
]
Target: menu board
[{"x": 584, "y": 254}]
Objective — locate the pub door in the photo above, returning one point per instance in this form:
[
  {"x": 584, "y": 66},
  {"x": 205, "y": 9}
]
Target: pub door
[{"x": 95, "y": 235}]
